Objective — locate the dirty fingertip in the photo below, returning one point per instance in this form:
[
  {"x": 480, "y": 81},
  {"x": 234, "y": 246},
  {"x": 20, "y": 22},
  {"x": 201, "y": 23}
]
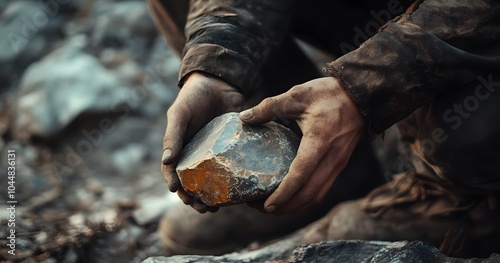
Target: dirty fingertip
[
  {"x": 166, "y": 156},
  {"x": 186, "y": 199},
  {"x": 200, "y": 207},
  {"x": 171, "y": 178},
  {"x": 212, "y": 209},
  {"x": 173, "y": 186},
  {"x": 246, "y": 114},
  {"x": 270, "y": 208}
]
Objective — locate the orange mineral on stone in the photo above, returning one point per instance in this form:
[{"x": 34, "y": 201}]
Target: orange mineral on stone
[{"x": 228, "y": 162}]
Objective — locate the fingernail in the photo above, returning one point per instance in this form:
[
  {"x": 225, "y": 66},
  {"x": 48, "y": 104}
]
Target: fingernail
[
  {"x": 247, "y": 114},
  {"x": 270, "y": 208},
  {"x": 167, "y": 153}
]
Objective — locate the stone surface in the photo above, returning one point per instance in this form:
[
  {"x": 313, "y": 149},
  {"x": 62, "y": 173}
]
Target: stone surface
[
  {"x": 125, "y": 25},
  {"x": 228, "y": 162},
  {"x": 152, "y": 208},
  {"x": 88, "y": 81},
  {"x": 76, "y": 83},
  {"x": 333, "y": 251},
  {"x": 28, "y": 31}
]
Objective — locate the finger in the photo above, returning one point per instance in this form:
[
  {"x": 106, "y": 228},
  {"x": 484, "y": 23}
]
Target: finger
[
  {"x": 201, "y": 208},
  {"x": 212, "y": 209},
  {"x": 171, "y": 177},
  {"x": 309, "y": 154},
  {"x": 259, "y": 205},
  {"x": 185, "y": 197},
  {"x": 327, "y": 172},
  {"x": 177, "y": 120},
  {"x": 335, "y": 174},
  {"x": 323, "y": 177},
  {"x": 194, "y": 203},
  {"x": 279, "y": 107},
  {"x": 321, "y": 194}
]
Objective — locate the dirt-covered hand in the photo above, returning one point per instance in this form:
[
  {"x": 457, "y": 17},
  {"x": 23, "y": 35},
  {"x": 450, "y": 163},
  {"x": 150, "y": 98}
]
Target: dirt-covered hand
[
  {"x": 331, "y": 126},
  {"x": 201, "y": 99}
]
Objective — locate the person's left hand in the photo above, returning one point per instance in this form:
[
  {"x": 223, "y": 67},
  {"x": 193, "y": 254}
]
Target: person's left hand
[{"x": 331, "y": 126}]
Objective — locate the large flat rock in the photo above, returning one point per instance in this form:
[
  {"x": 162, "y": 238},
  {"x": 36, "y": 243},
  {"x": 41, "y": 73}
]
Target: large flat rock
[{"x": 333, "y": 251}]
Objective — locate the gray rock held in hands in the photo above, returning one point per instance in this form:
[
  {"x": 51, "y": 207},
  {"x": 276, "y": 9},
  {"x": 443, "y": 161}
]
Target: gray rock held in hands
[{"x": 229, "y": 162}]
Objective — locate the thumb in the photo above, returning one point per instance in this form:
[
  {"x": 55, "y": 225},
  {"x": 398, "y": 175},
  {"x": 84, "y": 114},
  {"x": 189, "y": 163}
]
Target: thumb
[
  {"x": 269, "y": 109},
  {"x": 177, "y": 122}
]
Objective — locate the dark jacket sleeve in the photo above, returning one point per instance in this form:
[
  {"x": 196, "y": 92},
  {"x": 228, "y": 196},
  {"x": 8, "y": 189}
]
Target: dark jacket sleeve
[
  {"x": 232, "y": 39},
  {"x": 442, "y": 45}
]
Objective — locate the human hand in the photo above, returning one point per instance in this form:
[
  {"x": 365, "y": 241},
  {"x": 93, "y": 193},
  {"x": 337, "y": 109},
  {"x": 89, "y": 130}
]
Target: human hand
[
  {"x": 200, "y": 100},
  {"x": 331, "y": 126}
]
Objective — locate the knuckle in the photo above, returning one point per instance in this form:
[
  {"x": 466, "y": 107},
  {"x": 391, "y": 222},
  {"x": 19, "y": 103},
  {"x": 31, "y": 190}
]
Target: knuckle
[
  {"x": 178, "y": 110},
  {"x": 169, "y": 139},
  {"x": 166, "y": 139},
  {"x": 268, "y": 103},
  {"x": 295, "y": 91},
  {"x": 267, "y": 108},
  {"x": 172, "y": 140},
  {"x": 302, "y": 94},
  {"x": 171, "y": 109},
  {"x": 298, "y": 91},
  {"x": 172, "y": 112}
]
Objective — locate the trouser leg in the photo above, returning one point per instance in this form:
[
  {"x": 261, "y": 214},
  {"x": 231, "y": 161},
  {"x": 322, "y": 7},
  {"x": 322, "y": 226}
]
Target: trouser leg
[{"x": 456, "y": 137}]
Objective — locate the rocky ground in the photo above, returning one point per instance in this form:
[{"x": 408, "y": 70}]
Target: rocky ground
[
  {"x": 333, "y": 251},
  {"x": 84, "y": 86}
]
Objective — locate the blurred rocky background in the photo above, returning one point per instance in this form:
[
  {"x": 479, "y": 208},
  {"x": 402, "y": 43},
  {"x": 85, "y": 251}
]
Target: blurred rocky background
[{"x": 84, "y": 86}]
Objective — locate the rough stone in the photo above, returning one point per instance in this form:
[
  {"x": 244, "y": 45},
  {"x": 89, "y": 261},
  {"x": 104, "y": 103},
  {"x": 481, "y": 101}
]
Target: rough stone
[
  {"x": 76, "y": 83},
  {"x": 125, "y": 25},
  {"x": 229, "y": 162},
  {"x": 29, "y": 30},
  {"x": 333, "y": 251},
  {"x": 151, "y": 209}
]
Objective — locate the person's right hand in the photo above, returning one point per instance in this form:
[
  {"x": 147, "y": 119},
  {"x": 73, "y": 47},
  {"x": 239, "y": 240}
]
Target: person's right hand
[{"x": 200, "y": 99}]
